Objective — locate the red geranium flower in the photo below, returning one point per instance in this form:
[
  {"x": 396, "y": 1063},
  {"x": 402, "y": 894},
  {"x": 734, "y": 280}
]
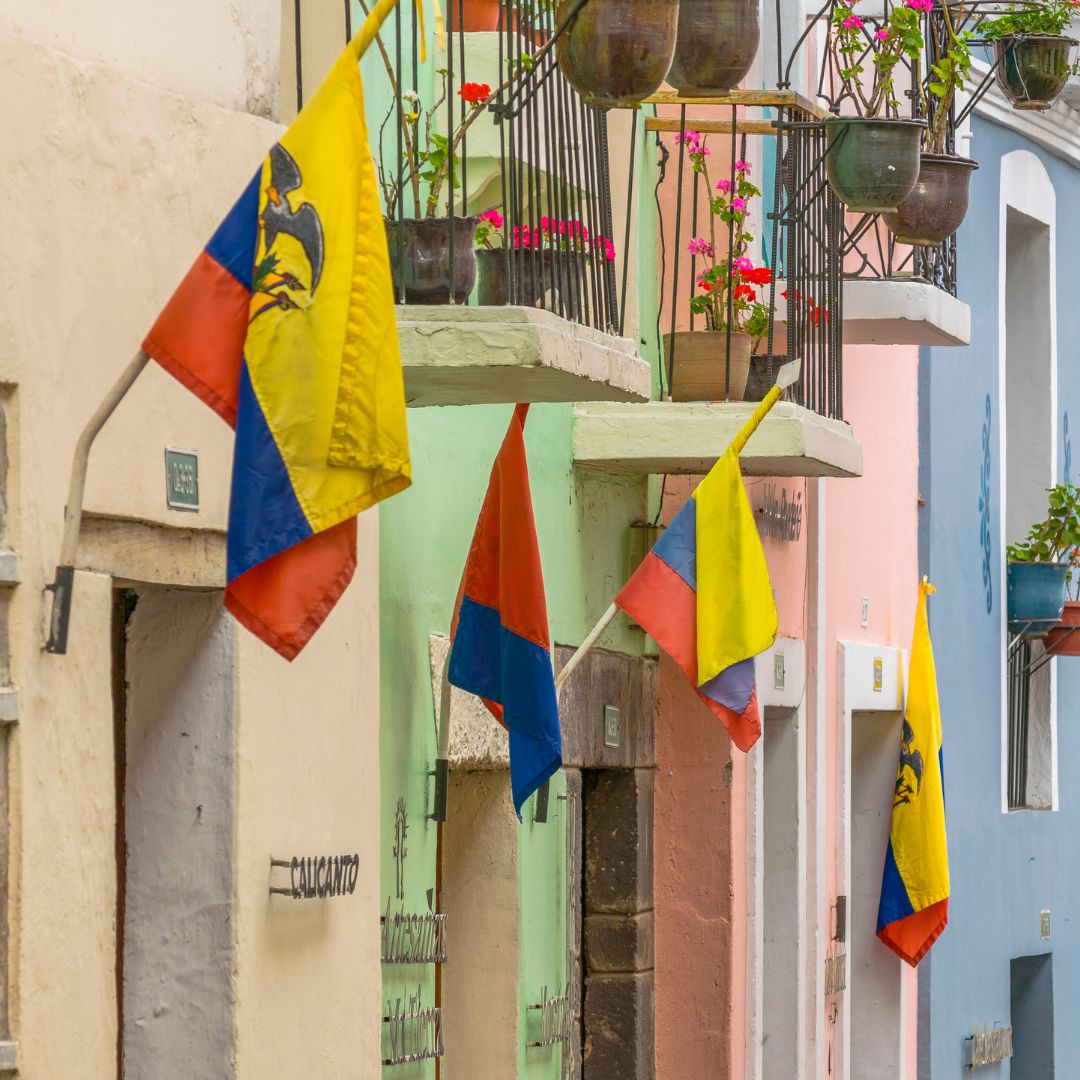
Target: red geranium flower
[
  {"x": 762, "y": 275},
  {"x": 744, "y": 292},
  {"x": 474, "y": 93}
]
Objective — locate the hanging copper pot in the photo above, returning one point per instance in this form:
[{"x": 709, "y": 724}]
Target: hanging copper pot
[
  {"x": 717, "y": 43},
  {"x": 617, "y": 52}
]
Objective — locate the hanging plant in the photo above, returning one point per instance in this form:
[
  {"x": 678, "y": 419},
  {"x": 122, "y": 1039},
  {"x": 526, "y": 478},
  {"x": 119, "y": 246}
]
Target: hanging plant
[
  {"x": 716, "y": 46},
  {"x": 615, "y": 53},
  {"x": 873, "y": 157},
  {"x": 938, "y": 202},
  {"x": 1041, "y": 567},
  {"x": 1033, "y": 55}
]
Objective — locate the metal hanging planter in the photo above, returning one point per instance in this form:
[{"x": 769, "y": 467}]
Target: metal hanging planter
[
  {"x": 616, "y": 53},
  {"x": 873, "y": 162},
  {"x": 1032, "y": 69},
  {"x": 1036, "y": 596},
  {"x": 432, "y": 260},
  {"x": 699, "y": 367},
  {"x": 937, "y": 204},
  {"x": 716, "y": 46}
]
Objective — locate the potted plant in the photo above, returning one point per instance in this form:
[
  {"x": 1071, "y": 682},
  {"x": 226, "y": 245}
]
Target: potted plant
[
  {"x": 716, "y": 45},
  {"x": 873, "y": 157},
  {"x": 938, "y": 203},
  {"x": 420, "y": 246},
  {"x": 1032, "y": 54},
  {"x": 1039, "y": 566},
  {"x": 713, "y": 364},
  {"x": 617, "y": 52},
  {"x": 529, "y": 265}
]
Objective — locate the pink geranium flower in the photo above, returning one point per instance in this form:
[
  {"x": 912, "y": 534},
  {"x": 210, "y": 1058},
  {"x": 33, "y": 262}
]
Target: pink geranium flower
[
  {"x": 742, "y": 166},
  {"x": 738, "y": 204},
  {"x": 723, "y": 185},
  {"x": 700, "y": 246},
  {"x": 853, "y": 22}
]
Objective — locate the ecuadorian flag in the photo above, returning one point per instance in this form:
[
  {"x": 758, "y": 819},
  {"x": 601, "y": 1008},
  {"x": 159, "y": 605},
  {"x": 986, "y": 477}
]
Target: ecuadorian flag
[
  {"x": 914, "y": 906},
  {"x": 703, "y": 592},
  {"x": 285, "y": 327},
  {"x": 500, "y": 648}
]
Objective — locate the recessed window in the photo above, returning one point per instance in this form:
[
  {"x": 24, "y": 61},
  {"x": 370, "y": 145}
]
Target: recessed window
[{"x": 1028, "y": 472}]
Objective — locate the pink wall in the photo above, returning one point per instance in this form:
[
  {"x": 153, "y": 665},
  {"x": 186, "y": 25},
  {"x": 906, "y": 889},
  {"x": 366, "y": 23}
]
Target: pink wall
[{"x": 871, "y": 547}]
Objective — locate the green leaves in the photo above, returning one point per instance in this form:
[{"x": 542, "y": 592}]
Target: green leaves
[{"x": 1055, "y": 538}]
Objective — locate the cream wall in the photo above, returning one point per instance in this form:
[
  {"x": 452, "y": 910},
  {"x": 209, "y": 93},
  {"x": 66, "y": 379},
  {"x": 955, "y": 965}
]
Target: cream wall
[
  {"x": 121, "y": 153},
  {"x": 220, "y": 51}
]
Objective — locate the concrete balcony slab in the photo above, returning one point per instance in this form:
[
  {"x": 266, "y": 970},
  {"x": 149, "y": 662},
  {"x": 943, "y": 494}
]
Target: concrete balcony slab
[
  {"x": 457, "y": 355},
  {"x": 899, "y": 312},
  {"x": 687, "y": 438}
]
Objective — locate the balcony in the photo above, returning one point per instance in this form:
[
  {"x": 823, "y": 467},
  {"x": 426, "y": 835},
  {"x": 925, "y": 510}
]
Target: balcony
[
  {"x": 497, "y": 194},
  {"x": 744, "y": 145}
]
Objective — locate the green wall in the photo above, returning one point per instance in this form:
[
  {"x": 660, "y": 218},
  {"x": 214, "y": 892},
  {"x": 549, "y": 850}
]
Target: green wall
[{"x": 582, "y": 522}]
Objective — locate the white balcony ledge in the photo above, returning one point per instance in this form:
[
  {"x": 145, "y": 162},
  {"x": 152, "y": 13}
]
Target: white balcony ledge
[
  {"x": 456, "y": 355},
  {"x": 677, "y": 437},
  {"x": 898, "y": 312}
]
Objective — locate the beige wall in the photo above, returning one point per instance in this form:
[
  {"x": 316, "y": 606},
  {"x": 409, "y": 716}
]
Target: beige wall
[
  {"x": 221, "y": 51},
  {"x": 113, "y": 181}
]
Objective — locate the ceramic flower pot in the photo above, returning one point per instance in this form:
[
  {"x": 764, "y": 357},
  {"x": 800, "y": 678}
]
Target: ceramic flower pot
[
  {"x": 617, "y": 52},
  {"x": 938, "y": 202},
  {"x": 1036, "y": 596},
  {"x": 475, "y": 15},
  {"x": 513, "y": 276},
  {"x": 1032, "y": 69},
  {"x": 716, "y": 46},
  {"x": 872, "y": 163},
  {"x": 420, "y": 259},
  {"x": 1064, "y": 639},
  {"x": 697, "y": 362}
]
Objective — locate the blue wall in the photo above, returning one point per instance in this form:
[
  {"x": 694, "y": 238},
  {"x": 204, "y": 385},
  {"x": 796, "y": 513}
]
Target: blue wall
[{"x": 1005, "y": 867}]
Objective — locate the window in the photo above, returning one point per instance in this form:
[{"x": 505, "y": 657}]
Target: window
[{"x": 1027, "y": 393}]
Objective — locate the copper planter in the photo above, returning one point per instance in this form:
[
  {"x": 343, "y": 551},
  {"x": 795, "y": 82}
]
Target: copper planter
[
  {"x": 420, "y": 261},
  {"x": 717, "y": 43},
  {"x": 617, "y": 52},
  {"x": 936, "y": 207}
]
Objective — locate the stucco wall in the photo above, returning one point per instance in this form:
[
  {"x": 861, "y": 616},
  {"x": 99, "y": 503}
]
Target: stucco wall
[
  {"x": 113, "y": 183},
  {"x": 220, "y": 52},
  {"x": 1005, "y": 867}
]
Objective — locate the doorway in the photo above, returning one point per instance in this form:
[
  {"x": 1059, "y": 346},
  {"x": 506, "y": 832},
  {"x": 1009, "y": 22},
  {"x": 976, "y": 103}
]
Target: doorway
[
  {"x": 781, "y": 890},
  {"x": 1032, "y": 994},
  {"x": 875, "y": 990},
  {"x": 174, "y": 723}
]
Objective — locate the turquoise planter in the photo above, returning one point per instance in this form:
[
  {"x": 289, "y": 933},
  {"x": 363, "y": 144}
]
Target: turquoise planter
[{"x": 1036, "y": 595}]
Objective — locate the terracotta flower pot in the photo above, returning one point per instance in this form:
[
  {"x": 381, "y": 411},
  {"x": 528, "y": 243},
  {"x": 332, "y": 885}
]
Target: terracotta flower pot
[
  {"x": 873, "y": 163},
  {"x": 1032, "y": 69},
  {"x": 617, "y": 52},
  {"x": 716, "y": 46},
  {"x": 938, "y": 203},
  {"x": 420, "y": 259},
  {"x": 531, "y": 271},
  {"x": 476, "y": 15},
  {"x": 698, "y": 370},
  {"x": 1064, "y": 639}
]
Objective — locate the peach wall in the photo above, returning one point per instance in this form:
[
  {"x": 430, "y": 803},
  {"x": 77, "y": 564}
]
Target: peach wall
[
  {"x": 700, "y": 832},
  {"x": 871, "y": 551}
]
